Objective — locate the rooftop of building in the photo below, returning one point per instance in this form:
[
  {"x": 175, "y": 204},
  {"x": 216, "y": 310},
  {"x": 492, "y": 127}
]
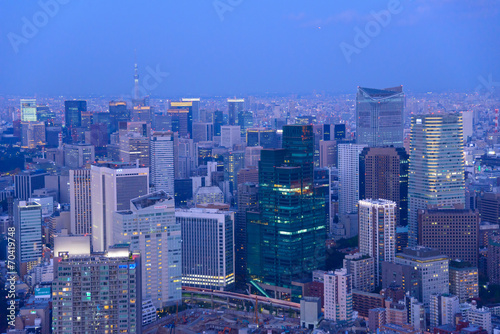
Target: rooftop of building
[
  {"x": 421, "y": 252},
  {"x": 152, "y": 199}
]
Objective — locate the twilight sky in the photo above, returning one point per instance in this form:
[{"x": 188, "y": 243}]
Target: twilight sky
[{"x": 240, "y": 47}]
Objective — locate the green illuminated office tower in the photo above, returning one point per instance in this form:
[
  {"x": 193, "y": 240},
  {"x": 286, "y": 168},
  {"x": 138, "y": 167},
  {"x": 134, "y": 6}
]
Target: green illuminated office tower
[
  {"x": 286, "y": 239},
  {"x": 436, "y": 171}
]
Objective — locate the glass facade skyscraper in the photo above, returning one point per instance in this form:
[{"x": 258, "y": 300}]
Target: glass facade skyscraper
[
  {"x": 380, "y": 116},
  {"x": 73, "y": 112},
  {"x": 436, "y": 166},
  {"x": 286, "y": 239}
]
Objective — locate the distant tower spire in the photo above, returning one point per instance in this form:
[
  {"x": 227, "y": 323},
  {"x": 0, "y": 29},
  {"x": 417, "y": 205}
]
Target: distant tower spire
[{"x": 136, "y": 78}]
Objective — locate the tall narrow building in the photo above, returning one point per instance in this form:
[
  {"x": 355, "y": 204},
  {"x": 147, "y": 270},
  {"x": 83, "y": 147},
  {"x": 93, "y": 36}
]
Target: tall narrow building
[
  {"x": 162, "y": 161},
  {"x": 73, "y": 112},
  {"x": 380, "y": 116},
  {"x": 383, "y": 173},
  {"x": 348, "y": 163},
  {"x": 28, "y": 235},
  {"x": 113, "y": 186},
  {"x": 377, "y": 232},
  {"x": 80, "y": 201},
  {"x": 234, "y": 108},
  {"x": 436, "y": 168},
  {"x": 28, "y": 110},
  {"x": 286, "y": 240}
]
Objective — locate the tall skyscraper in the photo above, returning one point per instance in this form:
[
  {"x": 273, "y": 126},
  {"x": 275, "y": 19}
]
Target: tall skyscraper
[
  {"x": 195, "y": 103},
  {"x": 182, "y": 109},
  {"x": 234, "y": 108},
  {"x": 207, "y": 248},
  {"x": 28, "y": 225},
  {"x": 377, "y": 232},
  {"x": 28, "y": 110},
  {"x": 151, "y": 229},
  {"x": 73, "y": 113},
  {"x": 78, "y": 155},
  {"x": 80, "y": 201},
  {"x": 134, "y": 148},
  {"x": 286, "y": 239},
  {"x": 97, "y": 293},
  {"x": 338, "y": 296},
  {"x": 230, "y": 136},
  {"x": 32, "y": 134},
  {"x": 383, "y": 173},
  {"x": 349, "y": 177},
  {"x": 113, "y": 186},
  {"x": 218, "y": 120},
  {"x": 436, "y": 166},
  {"x": 118, "y": 112},
  {"x": 380, "y": 116},
  {"x": 248, "y": 200},
  {"x": 162, "y": 161}
]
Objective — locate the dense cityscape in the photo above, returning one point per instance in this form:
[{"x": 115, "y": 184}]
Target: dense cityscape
[{"x": 371, "y": 211}]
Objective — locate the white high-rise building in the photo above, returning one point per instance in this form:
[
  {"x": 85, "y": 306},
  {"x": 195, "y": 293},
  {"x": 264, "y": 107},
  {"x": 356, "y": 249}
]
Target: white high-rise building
[
  {"x": 113, "y": 186},
  {"x": 80, "y": 201},
  {"x": 443, "y": 308},
  {"x": 432, "y": 269},
  {"x": 480, "y": 317},
  {"x": 230, "y": 135},
  {"x": 28, "y": 235},
  {"x": 162, "y": 161},
  {"x": 207, "y": 248},
  {"x": 348, "y": 163},
  {"x": 377, "y": 231},
  {"x": 150, "y": 228},
  {"x": 338, "y": 295}
]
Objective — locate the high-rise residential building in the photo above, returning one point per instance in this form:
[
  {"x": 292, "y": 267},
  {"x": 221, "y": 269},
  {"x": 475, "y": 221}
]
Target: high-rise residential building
[
  {"x": 480, "y": 317},
  {"x": 150, "y": 227},
  {"x": 377, "y": 232},
  {"x": 73, "y": 113},
  {"x": 436, "y": 172},
  {"x": 338, "y": 296},
  {"x": 195, "y": 105},
  {"x": 78, "y": 155},
  {"x": 32, "y": 134},
  {"x": 162, "y": 161},
  {"x": 493, "y": 259},
  {"x": 80, "y": 201},
  {"x": 118, "y": 112},
  {"x": 234, "y": 108},
  {"x": 383, "y": 173},
  {"x": 464, "y": 280},
  {"x": 348, "y": 163},
  {"x": 248, "y": 200},
  {"x": 97, "y": 293},
  {"x": 207, "y": 248},
  {"x": 443, "y": 308},
  {"x": 28, "y": 235},
  {"x": 489, "y": 207},
  {"x": 432, "y": 270},
  {"x": 113, "y": 186},
  {"x": 286, "y": 239},
  {"x": 454, "y": 232},
  {"x": 28, "y": 110},
  {"x": 362, "y": 270},
  {"x": 230, "y": 136},
  {"x": 28, "y": 181},
  {"x": 380, "y": 116}
]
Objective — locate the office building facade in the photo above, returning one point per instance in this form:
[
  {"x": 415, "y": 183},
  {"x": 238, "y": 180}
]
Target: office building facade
[
  {"x": 80, "y": 201},
  {"x": 162, "y": 161}
]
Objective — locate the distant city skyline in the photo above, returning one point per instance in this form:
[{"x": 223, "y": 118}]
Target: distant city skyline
[{"x": 205, "y": 50}]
